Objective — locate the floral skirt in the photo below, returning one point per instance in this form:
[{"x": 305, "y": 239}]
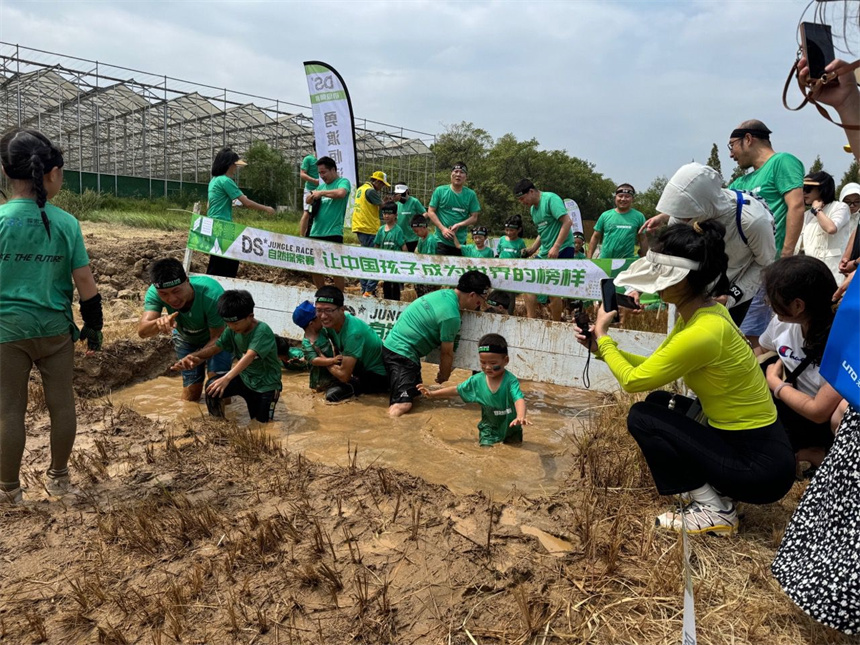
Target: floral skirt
[{"x": 818, "y": 562}]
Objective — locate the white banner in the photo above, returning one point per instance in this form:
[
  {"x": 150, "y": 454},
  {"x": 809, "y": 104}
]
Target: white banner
[
  {"x": 575, "y": 216},
  {"x": 334, "y": 129},
  {"x": 568, "y": 278}
]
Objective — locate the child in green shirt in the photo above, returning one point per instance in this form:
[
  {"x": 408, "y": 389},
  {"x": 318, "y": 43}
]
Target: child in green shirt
[
  {"x": 479, "y": 249},
  {"x": 390, "y": 237},
  {"x": 252, "y": 343},
  {"x": 318, "y": 351},
  {"x": 426, "y": 245},
  {"x": 511, "y": 244},
  {"x": 503, "y": 408}
]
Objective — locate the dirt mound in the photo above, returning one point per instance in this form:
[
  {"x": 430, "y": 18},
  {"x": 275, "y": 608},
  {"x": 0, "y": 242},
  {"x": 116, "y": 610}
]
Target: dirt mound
[{"x": 122, "y": 363}]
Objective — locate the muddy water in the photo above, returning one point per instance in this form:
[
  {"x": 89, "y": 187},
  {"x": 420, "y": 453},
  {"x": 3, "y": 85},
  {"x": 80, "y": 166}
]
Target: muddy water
[{"x": 438, "y": 441}]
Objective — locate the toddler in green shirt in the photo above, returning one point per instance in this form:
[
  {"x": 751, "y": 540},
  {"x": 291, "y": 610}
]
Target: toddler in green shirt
[
  {"x": 317, "y": 349},
  {"x": 390, "y": 237},
  {"x": 503, "y": 408},
  {"x": 479, "y": 249}
]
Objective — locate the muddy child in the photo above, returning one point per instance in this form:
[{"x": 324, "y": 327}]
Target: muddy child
[
  {"x": 252, "y": 344},
  {"x": 503, "y": 408},
  {"x": 316, "y": 347}
]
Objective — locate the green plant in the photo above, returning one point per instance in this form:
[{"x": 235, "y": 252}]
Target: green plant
[{"x": 267, "y": 174}]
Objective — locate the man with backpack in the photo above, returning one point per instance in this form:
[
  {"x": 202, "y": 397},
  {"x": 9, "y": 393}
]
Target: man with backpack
[{"x": 695, "y": 193}]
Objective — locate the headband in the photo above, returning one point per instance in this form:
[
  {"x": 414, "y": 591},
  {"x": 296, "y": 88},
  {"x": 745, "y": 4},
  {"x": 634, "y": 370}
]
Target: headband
[
  {"x": 625, "y": 191},
  {"x": 493, "y": 349},
  {"x": 459, "y": 166},
  {"x": 758, "y": 133},
  {"x": 231, "y": 318},
  {"x": 169, "y": 284},
  {"x": 419, "y": 224},
  {"x": 327, "y": 300},
  {"x": 480, "y": 230}
]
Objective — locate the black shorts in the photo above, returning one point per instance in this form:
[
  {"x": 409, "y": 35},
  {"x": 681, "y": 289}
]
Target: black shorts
[
  {"x": 444, "y": 249},
  {"x": 411, "y": 246},
  {"x": 337, "y": 239},
  {"x": 404, "y": 375},
  {"x": 261, "y": 405}
]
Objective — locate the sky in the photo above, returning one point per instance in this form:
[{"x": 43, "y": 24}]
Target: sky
[{"x": 636, "y": 88}]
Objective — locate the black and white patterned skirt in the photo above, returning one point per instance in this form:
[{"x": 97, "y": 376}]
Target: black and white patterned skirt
[{"x": 818, "y": 562}]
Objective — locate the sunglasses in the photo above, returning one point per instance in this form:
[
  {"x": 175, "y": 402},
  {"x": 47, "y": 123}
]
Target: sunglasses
[
  {"x": 809, "y": 189},
  {"x": 854, "y": 202}
]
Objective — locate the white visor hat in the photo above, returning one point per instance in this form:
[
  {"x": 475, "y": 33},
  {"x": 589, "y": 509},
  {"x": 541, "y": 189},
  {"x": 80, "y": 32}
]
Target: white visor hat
[{"x": 656, "y": 272}]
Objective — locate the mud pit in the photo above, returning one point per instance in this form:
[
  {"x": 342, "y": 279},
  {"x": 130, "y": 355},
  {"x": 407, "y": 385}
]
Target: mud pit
[{"x": 197, "y": 531}]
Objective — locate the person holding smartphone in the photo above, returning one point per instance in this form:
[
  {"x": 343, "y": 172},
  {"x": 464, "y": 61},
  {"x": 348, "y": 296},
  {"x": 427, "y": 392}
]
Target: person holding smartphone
[{"x": 741, "y": 452}]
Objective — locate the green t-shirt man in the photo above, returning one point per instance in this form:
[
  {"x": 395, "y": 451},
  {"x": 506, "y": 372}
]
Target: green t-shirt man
[
  {"x": 497, "y": 408},
  {"x": 620, "y": 232},
  {"x": 426, "y": 324},
  {"x": 193, "y": 325},
  {"x": 780, "y": 174},
  {"x": 358, "y": 340},
  {"x": 329, "y": 220},
  {"x": 405, "y": 212},
  {"x": 548, "y": 216},
  {"x": 472, "y": 251},
  {"x": 222, "y": 191},
  {"x": 509, "y": 249},
  {"x": 453, "y": 208},
  {"x": 36, "y": 287},
  {"x": 389, "y": 240},
  {"x": 264, "y": 373},
  {"x": 309, "y": 167}
]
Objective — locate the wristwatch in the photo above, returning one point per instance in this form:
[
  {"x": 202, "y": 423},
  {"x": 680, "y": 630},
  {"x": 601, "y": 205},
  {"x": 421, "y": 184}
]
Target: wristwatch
[{"x": 814, "y": 210}]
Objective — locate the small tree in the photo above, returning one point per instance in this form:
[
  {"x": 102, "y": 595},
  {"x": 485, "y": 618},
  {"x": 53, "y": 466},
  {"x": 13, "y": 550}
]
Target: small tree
[
  {"x": 736, "y": 173},
  {"x": 816, "y": 166},
  {"x": 714, "y": 160},
  {"x": 851, "y": 175},
  {"x": 267, "y": 175},
  {"x": 646, "y": 202}
]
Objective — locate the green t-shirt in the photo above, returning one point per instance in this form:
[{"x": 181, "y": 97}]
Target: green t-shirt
[
  {"x": 193, "y": 325},
  {"x": 548, "y": 216},
  {"x": 497, "y": 408},
  {"x": 472, "y": 251},
  {"x": 509, "y": 249},
  {"x": 779, "y": 174},
  {"x": 320, "y": 377},
  {"x": 264, "y": 373},
  {"x": 222, "y": 191},
  {"x": 309, "y": 166},
  {"x": 427, "y": 245},
  {"x": 329, "y": 220},
  {"x": 405, "y": 212},
  {"x": 427, "y": 323},
  {"x": 452, "y": 208},
  {"x": 358, "y": 340},
  {"x": 389, "y": 240},
  {"x": 36, "y": 286},
  {"x": 620, "y": 233}
]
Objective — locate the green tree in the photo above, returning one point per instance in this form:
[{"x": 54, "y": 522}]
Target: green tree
[
  {"x": 816, "y": 166},
  {"x": 714, "y": 160},
  {"x": 737, "y": 172},
  {"x": 268, "y": 176},
  {"x": 646, "y": 202},
  {"x": 851, "y": 175}
]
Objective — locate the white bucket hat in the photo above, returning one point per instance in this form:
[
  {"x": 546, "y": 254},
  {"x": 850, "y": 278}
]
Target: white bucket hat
[{"x": 655, "y": 272}]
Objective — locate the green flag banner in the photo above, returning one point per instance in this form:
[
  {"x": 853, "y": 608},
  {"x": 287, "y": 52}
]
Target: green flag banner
[{"x": 568, "y": 278}]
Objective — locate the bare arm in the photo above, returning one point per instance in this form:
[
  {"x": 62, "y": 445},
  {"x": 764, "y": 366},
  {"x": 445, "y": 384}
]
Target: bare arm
[
  {"x": 250, "y": 203},
  {"x": 337, "y": 193},
  {"x": 217, "y": 386},
  {"x": 817, "y": 409},
  {"x": 343, "y": 371},
  {"x": 793, "y": 220},
  {"x": 846, "y": 265},
  {"x": 306, "y": 177},
  {"x": 562, "y": 236},
  {"x": 469, "y": 221},
  {"x": 446, "y": 362},
  {"x": 596, "y": 239},
  {"x": 845, "y": 97},
  {"x": 153, "y": 323},
  {"x": 85, "y": 283},
  {"x": 441, "y": 393},
  {"x": 530, "y": 251}
]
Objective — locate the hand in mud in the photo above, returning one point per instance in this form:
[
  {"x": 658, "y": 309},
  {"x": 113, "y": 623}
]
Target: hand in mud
[
  {"x": 440, "y": 379},
  {"x": 187, "y": 363},
  {"x": 166, "y": 324},
  {"x": 425, "y": 391},
  {"x": 217, "y": 387},
  {"x": 520, "y": 422}
]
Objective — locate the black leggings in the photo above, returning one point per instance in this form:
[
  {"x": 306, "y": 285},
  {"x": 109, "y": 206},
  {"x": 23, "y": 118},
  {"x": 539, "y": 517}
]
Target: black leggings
[
  {"x": 391, "y": 290},
  {"x": 261, "y": 405},
  {"x": 755, "y": 466},
  {"x": 364, "y": 383}
]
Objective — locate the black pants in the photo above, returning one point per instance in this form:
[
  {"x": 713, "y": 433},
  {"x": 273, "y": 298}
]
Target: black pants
[
  {"x": 391, "y": 290},
  {"x": 224, "y": 267},
  {"x": 444, "y": 249},
  {"x": 404, "y": 375},
  {"x": 803, "y": 433},
  {"x": 755, "y": 466},
  {"x": 261, "y": 405},
  {"x": 364, "y": 383}
]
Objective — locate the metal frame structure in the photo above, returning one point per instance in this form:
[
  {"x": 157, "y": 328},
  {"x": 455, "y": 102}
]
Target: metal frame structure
[{"x": 114, "y": 121}]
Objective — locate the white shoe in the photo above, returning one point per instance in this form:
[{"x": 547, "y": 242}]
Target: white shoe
[{"x": 700, "y": 518}]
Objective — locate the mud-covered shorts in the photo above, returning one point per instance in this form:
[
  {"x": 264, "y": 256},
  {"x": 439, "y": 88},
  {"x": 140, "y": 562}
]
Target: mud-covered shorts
[{"x": 404, "y": 375}]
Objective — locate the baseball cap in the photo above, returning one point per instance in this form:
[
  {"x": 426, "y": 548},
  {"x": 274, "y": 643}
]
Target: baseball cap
[
  {"x": 304, "y": 314},
  {"x": 399, "y": 189},
  {"x": 381, "y": 176}
]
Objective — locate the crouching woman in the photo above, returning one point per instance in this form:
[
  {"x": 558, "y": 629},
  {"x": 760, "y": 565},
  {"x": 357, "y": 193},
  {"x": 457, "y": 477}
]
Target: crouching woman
[{"x": 741, "y": 451}]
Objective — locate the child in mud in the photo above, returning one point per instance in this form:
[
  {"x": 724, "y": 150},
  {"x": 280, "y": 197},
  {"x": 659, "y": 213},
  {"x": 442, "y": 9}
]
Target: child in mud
[
  {"x": 503, "y": 408},
  {"x": 426, "y": 245},
  {"x": 390, "y": 238},
  {"x": 479, "y": 249},
  {"x": 252, "y": 343},
  {"x": 318, "y": 351},
  {"x": 498, "y": 302}
]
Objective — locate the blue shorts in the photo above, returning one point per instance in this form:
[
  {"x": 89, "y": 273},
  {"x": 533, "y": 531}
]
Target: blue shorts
[
  {"x": 758, "y": 317},
  {"x": 221, "y": 362}
]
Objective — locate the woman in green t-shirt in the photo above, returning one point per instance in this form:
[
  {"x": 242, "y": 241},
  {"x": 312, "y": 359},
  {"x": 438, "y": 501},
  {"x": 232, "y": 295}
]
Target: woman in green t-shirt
[
  {"x": 42, "y": 259},
  {"x": 222, "y": 191}
]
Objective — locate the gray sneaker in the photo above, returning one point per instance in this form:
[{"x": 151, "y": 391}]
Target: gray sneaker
[
  {"x": 12, "y": 497},
  {"x": 59, "y": 486}
]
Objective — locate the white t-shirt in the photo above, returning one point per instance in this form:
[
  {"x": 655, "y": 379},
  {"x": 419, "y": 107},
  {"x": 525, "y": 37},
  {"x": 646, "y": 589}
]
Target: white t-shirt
[{"x": 786, "y": 339}]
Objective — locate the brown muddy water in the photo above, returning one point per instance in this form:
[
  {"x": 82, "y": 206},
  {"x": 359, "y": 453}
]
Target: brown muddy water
[{"x": 437, "y": 441}]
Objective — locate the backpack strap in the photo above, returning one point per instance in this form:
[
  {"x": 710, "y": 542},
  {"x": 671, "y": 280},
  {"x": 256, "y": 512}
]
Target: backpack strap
[
  {"x": 797, "y": 371},
  {"x": 740, "y": 206}
]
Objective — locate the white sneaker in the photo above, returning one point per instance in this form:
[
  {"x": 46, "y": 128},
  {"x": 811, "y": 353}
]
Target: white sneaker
[
  {"x": 701, "y": 518},
  {"x": 59, "y": 486},
  {"x": 12, "y": 497}
]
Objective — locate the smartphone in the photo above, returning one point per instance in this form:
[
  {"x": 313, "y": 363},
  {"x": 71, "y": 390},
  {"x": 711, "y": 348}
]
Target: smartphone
[
  {"x": 817, "y": 43},
  {"x": 612, "y": 299}
]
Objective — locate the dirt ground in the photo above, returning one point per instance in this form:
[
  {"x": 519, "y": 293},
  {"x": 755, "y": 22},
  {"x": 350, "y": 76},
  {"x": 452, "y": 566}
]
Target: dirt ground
[{"x": 207, "y": 532}]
